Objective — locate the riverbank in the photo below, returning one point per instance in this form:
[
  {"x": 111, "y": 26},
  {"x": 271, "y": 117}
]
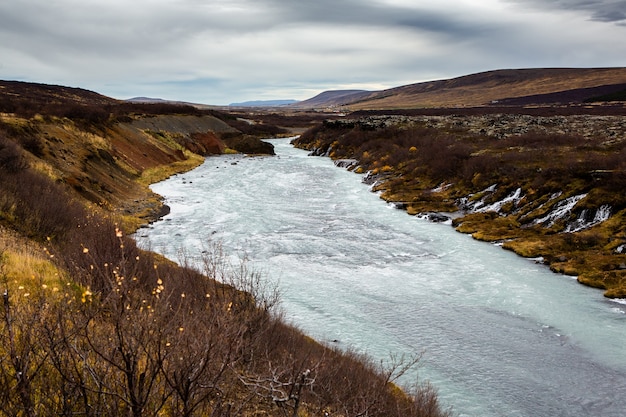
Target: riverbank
[{"x": 514, "y": 178}]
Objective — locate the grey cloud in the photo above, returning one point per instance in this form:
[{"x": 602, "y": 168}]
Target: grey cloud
[
  {"x": 219, "y": 50},
  {"x": 132, "y": 23},
  {"x": 111, "y": 26},
  {"x": 597, "y": 10},
  {"x": 610, "y": 15},
  {"x": 376, "y": 14}
]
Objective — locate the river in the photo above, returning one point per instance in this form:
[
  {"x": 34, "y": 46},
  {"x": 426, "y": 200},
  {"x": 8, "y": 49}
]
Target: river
[{"x": 500, "y": 335}]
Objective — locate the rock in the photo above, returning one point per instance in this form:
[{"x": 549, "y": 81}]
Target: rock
[
  {"x": 163, "y": 211},
  {"x": 346, "y": 163},
  {"x": 371, "y": 179},
  {"x": 206, "y": 143},
  {"x": 249, "y": 145},
  {"x": 438, "y": 217}
]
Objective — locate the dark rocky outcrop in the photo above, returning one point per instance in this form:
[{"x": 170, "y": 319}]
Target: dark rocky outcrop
[
  {"x": 437, "y": 217},
  {"x": 249, "y": 145},
  {"x": 346, "y": 163},
  {"x": 206, "y": 144}
]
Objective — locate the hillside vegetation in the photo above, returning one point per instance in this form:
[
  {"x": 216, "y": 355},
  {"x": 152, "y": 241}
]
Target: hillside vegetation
[
  {"x": 92, "y": 325},
  {"x": 537, "y": 86},
  {"x": 548, "y": 187}
]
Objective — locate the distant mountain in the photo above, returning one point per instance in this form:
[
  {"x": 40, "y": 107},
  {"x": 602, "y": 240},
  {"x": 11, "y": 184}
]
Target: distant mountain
[
  {"x": 511, "y": 86},
  {"x": 333, "y": 98},
  {"x": 264, "y": 103},
  {"x": 146, "y": 100}
]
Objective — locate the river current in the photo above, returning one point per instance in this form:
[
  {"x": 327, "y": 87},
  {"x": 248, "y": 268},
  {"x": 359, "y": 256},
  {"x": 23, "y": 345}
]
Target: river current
[{"x": 500, "y": 335}]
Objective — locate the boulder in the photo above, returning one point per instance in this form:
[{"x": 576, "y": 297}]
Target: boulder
[
  {"x": 346, "y": 163},
  {"x": 249, "y": 145},
  {"x": 438, "y": 217},
  {"x": 205, "y": 144}
]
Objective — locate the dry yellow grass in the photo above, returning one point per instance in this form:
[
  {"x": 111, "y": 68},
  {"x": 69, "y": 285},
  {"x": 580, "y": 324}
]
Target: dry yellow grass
[
  {"x": 27, "y": 266},
  {"x": 162, "y": 172}
]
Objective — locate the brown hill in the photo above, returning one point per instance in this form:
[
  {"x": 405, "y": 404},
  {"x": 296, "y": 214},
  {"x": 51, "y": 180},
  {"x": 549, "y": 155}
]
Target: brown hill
[
  {"x": 332, "y": 98},
  {"x": 35, "y": 94},
  {"x": 489, "y": 87}
]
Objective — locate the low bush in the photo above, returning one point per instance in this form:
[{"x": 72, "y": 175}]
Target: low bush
[
  {"x": 141, "y": 337},
  {"x": 11, "y": 159},
  {"x": 31, "y": 202}
]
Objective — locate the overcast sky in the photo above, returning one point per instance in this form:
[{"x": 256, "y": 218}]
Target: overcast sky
[{"x": 223, "y": 51}]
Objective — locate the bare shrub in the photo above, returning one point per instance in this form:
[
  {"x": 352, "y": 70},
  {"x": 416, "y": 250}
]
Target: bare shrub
[
  {"x": 583, "y": 241},
  {"x": 32, "y": 202},
  {"x": 28, "y": 383},
  {"x": 539, "y": 140},
  {"x": 11, "y": 158},
  {"x": 140, "y": 337}
]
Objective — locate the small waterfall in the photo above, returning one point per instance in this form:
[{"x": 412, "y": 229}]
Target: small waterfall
[
  {"x": 561, "y": 210},
  {"x": 514, "y": 197},
  {"x": 584, "y": 222}
]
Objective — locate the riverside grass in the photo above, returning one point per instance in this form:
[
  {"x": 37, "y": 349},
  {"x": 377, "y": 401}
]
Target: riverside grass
[{"x": 159, "y": 173}]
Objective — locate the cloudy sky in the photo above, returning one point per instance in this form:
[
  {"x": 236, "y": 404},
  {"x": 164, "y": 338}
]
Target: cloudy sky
[{"x": 223, "y": 51}]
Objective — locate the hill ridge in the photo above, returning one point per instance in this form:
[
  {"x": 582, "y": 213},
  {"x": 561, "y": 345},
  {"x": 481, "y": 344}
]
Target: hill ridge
[{"x": 478, "y": 89}]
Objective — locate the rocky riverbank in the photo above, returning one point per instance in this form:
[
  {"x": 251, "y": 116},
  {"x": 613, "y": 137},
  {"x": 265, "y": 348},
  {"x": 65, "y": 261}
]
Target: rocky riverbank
[{"x": 547, "y": 187}]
